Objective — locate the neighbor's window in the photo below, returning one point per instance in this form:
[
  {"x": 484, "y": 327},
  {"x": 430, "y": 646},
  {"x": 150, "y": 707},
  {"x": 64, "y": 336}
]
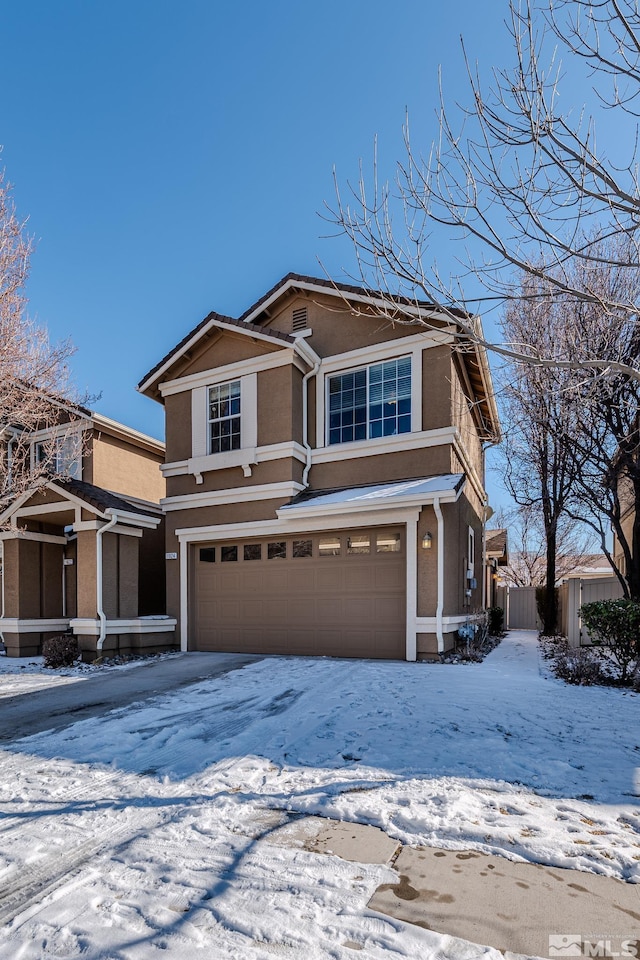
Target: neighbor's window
[
  {"x": 371, "y": 402},
  {"x": 224, "y": 417},
  {"x": 61, "y": 455}
]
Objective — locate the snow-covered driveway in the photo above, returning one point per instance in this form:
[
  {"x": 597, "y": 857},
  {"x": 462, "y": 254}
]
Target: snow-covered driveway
[{"x": 147, "y": 830}]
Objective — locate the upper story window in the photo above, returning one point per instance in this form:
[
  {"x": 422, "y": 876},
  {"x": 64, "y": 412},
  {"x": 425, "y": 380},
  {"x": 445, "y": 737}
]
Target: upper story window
[
  {"x": 224, "y": 417},
  {"x": 370, "y": 402},
  {"x": 60, "y": 455}
]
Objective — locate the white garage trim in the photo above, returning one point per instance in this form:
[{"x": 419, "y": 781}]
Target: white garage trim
[{"x": 372, "y": 518}]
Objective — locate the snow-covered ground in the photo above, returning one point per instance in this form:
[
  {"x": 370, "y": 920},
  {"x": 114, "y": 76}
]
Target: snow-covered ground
[{"x": 146, "y": 832}]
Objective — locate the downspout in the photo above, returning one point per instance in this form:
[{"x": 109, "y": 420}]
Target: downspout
[
  {"x": 101, "y": 614},
  {"x": 311, "y": 357},
  {"x": 440, "y": 606}
]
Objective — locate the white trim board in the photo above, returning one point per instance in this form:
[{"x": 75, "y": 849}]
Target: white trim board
[
  {"x": 136, "y": 625},
  {"x": 232, "y": 371},
  {"x": 19, "y": 534},
  {"x": 213, "y": 498},
  {"x": 20, "y": 625},
  {"x": 252, "y": 529},
  {"x": 381, "y": 445}
]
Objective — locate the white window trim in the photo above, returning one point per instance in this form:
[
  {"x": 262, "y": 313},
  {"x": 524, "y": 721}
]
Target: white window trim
[
  {"x": 201, "y": 460},
  {"x": 64, "y": 433},
  {"x": 367, "y": 367},
  {"x": 471, "y": 551},
  {"x": 355, "y": 360},
  {"x": 231, "y": 371}
]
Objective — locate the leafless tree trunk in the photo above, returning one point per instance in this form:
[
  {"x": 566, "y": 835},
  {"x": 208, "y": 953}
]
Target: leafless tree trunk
[
  {"x": 34, "y": 385},
  {"x": 540, "y": 467}
]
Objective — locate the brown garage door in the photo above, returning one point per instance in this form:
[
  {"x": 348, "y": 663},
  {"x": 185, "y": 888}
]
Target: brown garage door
[{"x": 332, "y": 594}]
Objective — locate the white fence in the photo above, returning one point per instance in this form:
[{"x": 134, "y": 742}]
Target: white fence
[
  {"x": 579, "y": 592},
  {"x": 521, "y": 612}
]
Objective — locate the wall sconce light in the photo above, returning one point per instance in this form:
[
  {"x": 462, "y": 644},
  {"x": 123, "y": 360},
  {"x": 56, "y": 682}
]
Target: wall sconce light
[{"x": 427, "y": 541}]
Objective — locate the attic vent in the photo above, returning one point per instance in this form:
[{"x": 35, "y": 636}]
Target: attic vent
[{"x": 299, "y": 319}]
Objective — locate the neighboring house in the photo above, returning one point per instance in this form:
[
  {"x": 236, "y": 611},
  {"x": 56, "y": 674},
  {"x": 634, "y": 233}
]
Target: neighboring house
[
  {"x": 325, "y": 477},
  {"x": 496, "y": 556},
  {"x": 83, "y": 545}
]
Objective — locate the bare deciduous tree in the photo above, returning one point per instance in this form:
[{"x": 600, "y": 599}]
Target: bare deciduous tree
[
  {"x": 527, "y": 565},
  {"x": 33, "y": 373},
  {"x": 516, "y": 180},
  {"x": 540, "y": 467}
]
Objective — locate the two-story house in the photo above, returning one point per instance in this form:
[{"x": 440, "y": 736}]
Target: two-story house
[
  {"x": 325, "y": 477},
  {"x": 82, "y": 542}
]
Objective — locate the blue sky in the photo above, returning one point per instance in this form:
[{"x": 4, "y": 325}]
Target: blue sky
[{"x": 172, "y": 158}]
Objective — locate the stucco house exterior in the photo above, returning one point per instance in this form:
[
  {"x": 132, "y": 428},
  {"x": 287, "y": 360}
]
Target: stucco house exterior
[
  {"x": 325, "y": 477},
  {"x": 83, "y": 546}
]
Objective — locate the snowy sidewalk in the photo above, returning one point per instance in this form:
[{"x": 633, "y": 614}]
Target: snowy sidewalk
[{"x": 148, "y": 828}]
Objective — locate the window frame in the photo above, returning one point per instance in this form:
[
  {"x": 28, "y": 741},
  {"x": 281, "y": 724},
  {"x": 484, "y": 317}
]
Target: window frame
[
  {"x": 230, "y": 417},
  {"x": 367, "y": 367}
]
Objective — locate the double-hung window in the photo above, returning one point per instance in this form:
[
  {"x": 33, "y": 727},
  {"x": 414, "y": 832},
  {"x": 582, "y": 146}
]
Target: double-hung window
[
  {"x": 370, "y": 402},
  {"x": 224, "y": 417}
]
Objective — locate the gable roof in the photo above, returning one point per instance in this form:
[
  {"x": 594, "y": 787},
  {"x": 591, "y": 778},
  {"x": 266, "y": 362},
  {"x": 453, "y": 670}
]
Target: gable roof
[
  {"x": 253, "y": 319},
  {"x": 221, "y": 322},
  {"x": 99, "y": 498},
  {"x": 496, "y": 544},
  {"x": 88, "y": 495}
]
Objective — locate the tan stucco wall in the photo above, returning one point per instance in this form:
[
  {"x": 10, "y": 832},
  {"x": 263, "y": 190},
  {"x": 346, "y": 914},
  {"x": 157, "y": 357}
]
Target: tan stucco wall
[
  {"x": 428, "y": 645},
  {"x": 462, "y": 417},
  {"x": 380, "y": 469},
  {"x": 276, "y": 401},
  {"x": 457, "y": 520},
  {"x": 271, "y": 471},
  {"x": 436, "y": 388},
  {"x": 124, "y": 468},
  {"x": 33, "y": 579},
  {"x": 219, "y": 350},
  {"x": 335, "y": 328},
  {"x": 427, "y": 564},
  {"x": 87, "y": 574},
  {"x": 178, "y": 426},
  {"x": 119, "y": 576}
]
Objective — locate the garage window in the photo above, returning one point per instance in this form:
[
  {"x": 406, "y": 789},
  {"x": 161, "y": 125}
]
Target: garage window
[
  {"x": 388, "y": 541},
  {"x": 228, "y": 553},
  {"x": 224, "y": 417},
  {"x": 277, "y": 551},
  {"x": 208, "y": 555},
  {"x": 253, "y": 551},
  {"x": 303, "y": 548},
  {"x": 329, "y": 547},
  {"x": 359, "y": 543}
]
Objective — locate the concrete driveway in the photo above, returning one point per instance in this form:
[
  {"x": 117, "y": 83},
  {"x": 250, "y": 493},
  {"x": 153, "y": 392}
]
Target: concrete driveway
[{"x": 57, "y": 707}]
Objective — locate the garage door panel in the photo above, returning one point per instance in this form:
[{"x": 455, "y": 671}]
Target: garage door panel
[
  {"x": 344, "y": 605},
  {"x": 388, "y": 609},
  {"x": 390, "y": 579},
  {"x": 328, "y": 577}
]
